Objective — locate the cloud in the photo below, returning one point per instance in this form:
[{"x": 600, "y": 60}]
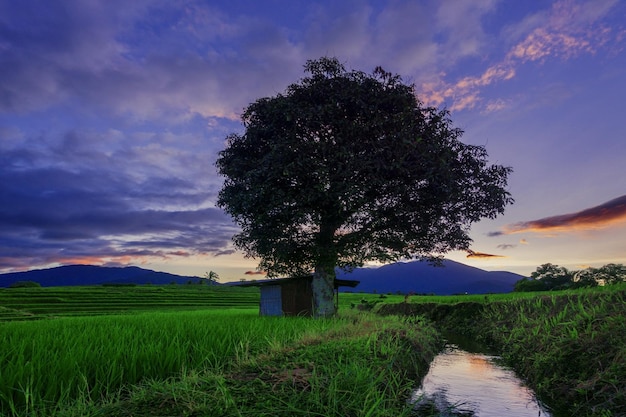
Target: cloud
[
  {"x": 462, "y": 21},
  {"x": 254, "y": 273},
  {"x": 481, "y": 255},
  {"x": 63, "y": 199},
  {"x": 505, "y": 246},
  {"x": 92, "y": 53},
  {"x": 49, "y": 47},
  {"x": 569, "y": 29},
  {"x": 184, "y": 61},
  {"x": 496, "y": 105},
  {"x": 608, "y": 214},
  {"x": 107, "y": 235}
]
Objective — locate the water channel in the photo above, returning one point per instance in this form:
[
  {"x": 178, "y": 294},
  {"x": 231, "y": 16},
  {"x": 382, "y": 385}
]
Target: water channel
[{"x": 462, "y": 382}]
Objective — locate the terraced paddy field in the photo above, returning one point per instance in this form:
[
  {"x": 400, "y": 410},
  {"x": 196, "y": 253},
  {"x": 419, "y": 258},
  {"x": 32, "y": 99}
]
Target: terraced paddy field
[
  {"x": 199, "y": 351},
  {"x": 36, "y": 303},
  {"x": 48, "y": 302}
]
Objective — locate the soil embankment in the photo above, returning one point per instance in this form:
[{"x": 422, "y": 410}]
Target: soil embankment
[{"x": 570, "y": 348}]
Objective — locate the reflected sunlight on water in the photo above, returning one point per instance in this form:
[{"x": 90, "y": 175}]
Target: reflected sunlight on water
[{"x": 473, "y": 384}]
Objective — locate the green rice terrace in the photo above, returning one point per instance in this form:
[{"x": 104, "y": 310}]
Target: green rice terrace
[
  {"x": 45, "y": 302},
  {"x": 191, "y": 350}
]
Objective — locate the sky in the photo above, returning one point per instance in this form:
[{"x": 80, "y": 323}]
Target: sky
[{"x": 112, "y": 114}]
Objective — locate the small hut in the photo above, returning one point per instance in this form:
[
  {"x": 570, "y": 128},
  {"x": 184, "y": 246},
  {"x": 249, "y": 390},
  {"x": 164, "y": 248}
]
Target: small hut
[{"x": 291, "y": 296}]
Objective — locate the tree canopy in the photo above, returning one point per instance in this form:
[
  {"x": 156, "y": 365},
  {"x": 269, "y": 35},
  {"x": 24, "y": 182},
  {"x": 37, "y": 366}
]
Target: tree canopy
[
  {"x": 347, "y": 167},
  {"x": 546, "y": 277},
  {"x": 549, "y": 277}
]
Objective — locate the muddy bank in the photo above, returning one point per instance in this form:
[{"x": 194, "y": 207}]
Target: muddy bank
[{"x": 571, "y": 349}]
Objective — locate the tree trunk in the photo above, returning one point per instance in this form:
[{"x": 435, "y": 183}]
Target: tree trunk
[{"x": 323, "y": 286}]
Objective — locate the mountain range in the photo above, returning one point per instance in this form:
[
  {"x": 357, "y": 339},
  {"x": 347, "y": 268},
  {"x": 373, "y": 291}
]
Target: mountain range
[
  {"x": 402, "y": 277},
  {"x": 420, "y": 277},
  {"x": 93, "y": 275}
]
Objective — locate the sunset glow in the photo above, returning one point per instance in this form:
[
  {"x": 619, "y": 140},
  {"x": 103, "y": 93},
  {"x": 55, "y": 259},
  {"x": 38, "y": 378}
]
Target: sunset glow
[
  {"x": 112, "y": 115},
  {"x": 611, "y": 213}
]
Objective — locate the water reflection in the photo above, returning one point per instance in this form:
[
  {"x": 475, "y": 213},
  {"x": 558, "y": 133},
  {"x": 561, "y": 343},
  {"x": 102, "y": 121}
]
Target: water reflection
[{"x": 460, "y": 383}]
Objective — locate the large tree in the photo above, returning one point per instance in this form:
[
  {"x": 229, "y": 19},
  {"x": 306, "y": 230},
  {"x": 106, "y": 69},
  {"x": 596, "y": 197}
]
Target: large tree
[{"x": 347, "y": 167}]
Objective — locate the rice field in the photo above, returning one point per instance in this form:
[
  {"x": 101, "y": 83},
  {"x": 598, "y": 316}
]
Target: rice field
[
  {"x": 130, "y": 351},
  {"x": 60, "y": 343},
  {"x": 61, "y": 346},
  {"x": 47, "y": 362},
  {"x": 50, "y": 302},
  {"x": 511, "y": 296}
]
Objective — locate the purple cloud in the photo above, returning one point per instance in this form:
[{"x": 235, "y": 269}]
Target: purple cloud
[
  {"x": 68, "y": 204},
  {"x": 610, "y": 213}
]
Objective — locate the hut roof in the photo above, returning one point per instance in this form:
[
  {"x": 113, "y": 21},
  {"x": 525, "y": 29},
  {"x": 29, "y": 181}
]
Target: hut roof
[{"x": 278, "y": 281}]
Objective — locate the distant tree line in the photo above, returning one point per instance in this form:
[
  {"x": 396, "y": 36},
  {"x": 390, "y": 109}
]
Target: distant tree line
[
  {"x": 25, "y": 284},
  {"x": 549, "y": 277}
]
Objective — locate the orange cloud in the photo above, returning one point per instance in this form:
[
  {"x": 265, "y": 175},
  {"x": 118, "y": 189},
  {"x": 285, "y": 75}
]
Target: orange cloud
[
  {"x": 542, "y": 43},
  {"x": 254, "y": 273},
  {"x": 104, "y": 260},
  {"x": 481, "y": 255},
  {"x": 140, "y": 258},
  {"x": 184, "y": 254},
  {"x": 85, "y": 260},
  {"x": 464, "y": 93},
  {"x": 607, "y": 214}
]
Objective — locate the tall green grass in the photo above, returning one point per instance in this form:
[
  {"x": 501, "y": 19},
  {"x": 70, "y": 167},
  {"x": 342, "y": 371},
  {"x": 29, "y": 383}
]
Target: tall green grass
[
  {"x": 570, "y": 346},
  {"x": 52, "y": 362},
  {"x": 365, "y": 366}
]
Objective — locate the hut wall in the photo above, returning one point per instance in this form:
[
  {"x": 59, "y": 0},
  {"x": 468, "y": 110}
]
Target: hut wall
[
  {"x": 297, "y": 298},
  {"x": 271, "y": 301}
]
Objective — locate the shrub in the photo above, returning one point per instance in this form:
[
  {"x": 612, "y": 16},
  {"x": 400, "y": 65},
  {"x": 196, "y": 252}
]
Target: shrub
[{"x": 25, "y": 284}]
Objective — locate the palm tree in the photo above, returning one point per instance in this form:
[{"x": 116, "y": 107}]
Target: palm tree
[{"x": 211, "y": 277}]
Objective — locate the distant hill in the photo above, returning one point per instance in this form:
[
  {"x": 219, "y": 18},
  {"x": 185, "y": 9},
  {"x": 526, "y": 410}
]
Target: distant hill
[
  {"x": 93, "y": 275},
  {"x": 422, "y": 278},
  {"x": 404, "y": 277}
]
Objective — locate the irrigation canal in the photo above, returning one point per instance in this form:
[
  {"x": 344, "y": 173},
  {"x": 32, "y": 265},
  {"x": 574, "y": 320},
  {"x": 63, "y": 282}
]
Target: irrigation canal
[{"x": 465, "y": 382}]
